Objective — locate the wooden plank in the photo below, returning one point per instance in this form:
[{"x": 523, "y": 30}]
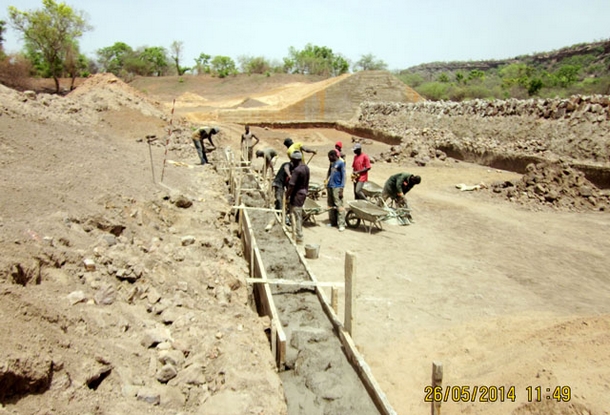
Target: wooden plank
[
  {"x": 302, "y": 283},
  {"x": 264, "y": 295},
  {"x": 349, "y": 348},
  {"x": 255, "y": 209},
  {"x": 437, "y": 380},
  {"x": 350, "y": 272},
  {"x": 334, "y": 299}
]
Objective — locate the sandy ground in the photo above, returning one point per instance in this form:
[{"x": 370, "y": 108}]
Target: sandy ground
[{"x": 502, "y": 295}]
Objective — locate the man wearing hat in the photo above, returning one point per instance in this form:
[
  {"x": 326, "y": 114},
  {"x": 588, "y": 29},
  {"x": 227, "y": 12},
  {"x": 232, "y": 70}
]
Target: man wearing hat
[
  {"x": 360, "y": 168},
  {"x": 339, "y": 150},
  {"x": 296, "y": 192},
  {"x": 335, "y": 184}
]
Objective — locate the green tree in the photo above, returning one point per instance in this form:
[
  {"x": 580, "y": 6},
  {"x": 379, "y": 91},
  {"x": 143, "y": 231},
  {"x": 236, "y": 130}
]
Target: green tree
[
  {"x": 250, "y": 65},
  {"x": 155, "y": 59},
  {"x": 369, "y": 62},
  {"x": 459, "y": 77},
  {"x": 567, "y": 75},
  {"x": 113, "y": 58},
  {"x": 51, "y": 31},
  {"x": 75, "y": 64},
  {"x": 203, "y": 63},
  {"x": 176, "y": 54},
  {"x": 223, "y": 66},
  {"x": 475, "y": 75},
  {"x": 444, "y": 78},
  {"x": 315, "y": 60}
]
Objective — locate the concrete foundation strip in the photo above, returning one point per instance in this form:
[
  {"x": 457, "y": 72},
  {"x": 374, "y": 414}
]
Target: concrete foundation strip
[
  {"x": 278, "y": 341},
  {"x": 303, "y": 283}
]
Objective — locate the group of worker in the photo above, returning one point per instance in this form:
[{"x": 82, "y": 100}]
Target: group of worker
[{"x": 292, "y": 178}]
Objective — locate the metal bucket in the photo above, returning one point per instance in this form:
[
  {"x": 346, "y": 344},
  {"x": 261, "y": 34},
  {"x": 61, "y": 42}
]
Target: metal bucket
[{"x": 312, "y": 251}]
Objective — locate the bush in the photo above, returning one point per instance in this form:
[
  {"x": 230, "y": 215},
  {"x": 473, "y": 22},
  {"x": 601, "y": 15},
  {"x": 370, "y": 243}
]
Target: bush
[
  {"x": 434, "y": 91},
  {"x": 15, "y": 71}
]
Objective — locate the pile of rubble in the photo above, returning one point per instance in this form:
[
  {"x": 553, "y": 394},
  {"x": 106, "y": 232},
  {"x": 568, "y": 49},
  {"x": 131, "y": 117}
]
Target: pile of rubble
[{"x": 555, "y": 185}]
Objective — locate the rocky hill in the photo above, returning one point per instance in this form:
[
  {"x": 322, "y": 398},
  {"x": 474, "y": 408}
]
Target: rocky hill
[{"x": 600, "y": 51}]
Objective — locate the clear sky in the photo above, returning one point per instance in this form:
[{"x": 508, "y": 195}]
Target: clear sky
[{"x": 402, "y": 33}]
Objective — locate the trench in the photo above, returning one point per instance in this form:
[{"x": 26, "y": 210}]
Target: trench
[
  {"x": 517, "y": 163},
  {"x": 317, "y": 375}
]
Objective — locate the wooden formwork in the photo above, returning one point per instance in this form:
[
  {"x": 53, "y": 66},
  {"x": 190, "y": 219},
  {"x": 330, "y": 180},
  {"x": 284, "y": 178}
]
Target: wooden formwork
[
  {"x": 264, "y": 299},
  {"x": 262, "y": 292}
]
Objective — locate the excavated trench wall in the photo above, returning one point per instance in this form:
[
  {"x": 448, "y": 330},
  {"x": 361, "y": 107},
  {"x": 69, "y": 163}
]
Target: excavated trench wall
[{"x": 506, "y": 134}]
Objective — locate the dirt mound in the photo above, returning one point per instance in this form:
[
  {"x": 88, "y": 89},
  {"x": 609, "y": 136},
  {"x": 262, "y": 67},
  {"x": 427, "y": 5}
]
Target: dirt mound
[
  {"x": 117, "y": 298},
  {"x": 250, "y": 103},
  {"x": 105, "y": 91},
  {"x": 555, "y": 185},
  {"x": 191, "y": 98}
]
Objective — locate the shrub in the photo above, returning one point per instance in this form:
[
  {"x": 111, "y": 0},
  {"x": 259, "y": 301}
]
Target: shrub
[
  {"x": 15, "y": 71},
  {"x": 435, "y": 91}
]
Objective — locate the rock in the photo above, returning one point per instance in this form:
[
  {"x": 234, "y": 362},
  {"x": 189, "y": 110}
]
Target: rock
[
  {"x": 182, "y": 202},
  {"x": 26, "y": 374},
  {"x": 585, "y": 191},
  {"x": 31, "y": 95},
  {"x": 153, "y": 337},
  {"x": 105, "y": 295},
  {"x": 76, "y": 297},
  {"x": 166, "y": 373},
  {"x": 172, "y": 357},
  {"x": 89, "y": 264},
  {"x": 187, "y": 240},
  {"x": 193, "y": 375},
  {"x": 149, "y": 396}
]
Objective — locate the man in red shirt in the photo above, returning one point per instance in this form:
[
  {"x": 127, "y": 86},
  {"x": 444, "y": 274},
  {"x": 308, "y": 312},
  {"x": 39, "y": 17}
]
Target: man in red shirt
[{"x": 360, "y": 167}]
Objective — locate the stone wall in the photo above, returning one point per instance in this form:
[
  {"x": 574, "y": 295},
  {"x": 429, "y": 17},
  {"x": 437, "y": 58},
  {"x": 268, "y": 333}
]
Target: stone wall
[{"x": 505, "y": 134}]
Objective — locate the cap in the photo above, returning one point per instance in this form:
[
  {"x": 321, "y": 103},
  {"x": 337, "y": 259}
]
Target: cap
[
  {"x": 296, "y": 155},
  {"x": 339, "y": 144},
  {"x": 357, "y": 146}
]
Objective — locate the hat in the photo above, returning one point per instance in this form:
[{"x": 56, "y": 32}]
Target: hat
[
  {"x": 357, "y": 146},
  {"x": 339, "y": 144},
  {"x": 296, "y": 155},
  {"x": 288, "y": 142}
]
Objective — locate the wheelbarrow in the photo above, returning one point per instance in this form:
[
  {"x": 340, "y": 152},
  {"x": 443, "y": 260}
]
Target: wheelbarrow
[
  {"x": 316, "y": 190},
  {"x": 311, "y": 209},
  {"x": 363, "y": 211}
]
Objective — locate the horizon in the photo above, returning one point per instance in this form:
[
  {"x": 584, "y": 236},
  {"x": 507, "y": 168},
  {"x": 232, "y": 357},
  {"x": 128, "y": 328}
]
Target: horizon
[{"x": 402, "y": 35}]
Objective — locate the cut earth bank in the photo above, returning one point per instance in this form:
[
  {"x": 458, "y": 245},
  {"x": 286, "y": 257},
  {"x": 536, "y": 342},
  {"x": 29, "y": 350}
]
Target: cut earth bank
[{"x": 501, "y": 294}]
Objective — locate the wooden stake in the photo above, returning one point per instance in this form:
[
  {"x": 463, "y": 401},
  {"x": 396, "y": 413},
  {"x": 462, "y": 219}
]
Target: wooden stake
[
  {"x": 334, "y": 298},
  {"x": 350, "y": 273},
  {"x": 437, "y": 381}
]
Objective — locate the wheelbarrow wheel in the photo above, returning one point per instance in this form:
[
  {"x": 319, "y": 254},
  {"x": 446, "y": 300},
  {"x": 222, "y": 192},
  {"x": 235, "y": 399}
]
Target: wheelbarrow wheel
[{"x": 351, "y": 220}]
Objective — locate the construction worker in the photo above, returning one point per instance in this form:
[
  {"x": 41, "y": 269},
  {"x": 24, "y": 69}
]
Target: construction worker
[
  {"x": 360, "y": 171},
  {"x": 335, "y": 186},
  {"x": 296, "y": 192},
  {"x": 398, "y": 185},
  {"x": 198, "y": 136},
  {"x": 246, "y": 143},
  {"x": 269, "y": 155},
  {"x": 292, "y": 147}
]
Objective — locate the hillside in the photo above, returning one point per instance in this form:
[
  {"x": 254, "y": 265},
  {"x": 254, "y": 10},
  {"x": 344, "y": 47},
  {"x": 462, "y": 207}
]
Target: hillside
[{"x": 578, "y": 69}]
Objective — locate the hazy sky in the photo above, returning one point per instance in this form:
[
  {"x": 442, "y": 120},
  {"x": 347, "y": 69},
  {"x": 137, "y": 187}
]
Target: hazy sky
[{"x": 402, "y": 33}]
